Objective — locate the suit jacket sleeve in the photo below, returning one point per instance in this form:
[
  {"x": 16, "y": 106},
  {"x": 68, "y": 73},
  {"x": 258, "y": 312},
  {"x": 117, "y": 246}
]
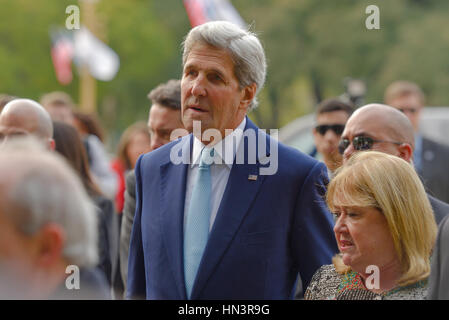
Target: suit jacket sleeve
[
  {"x": 439, "y": 276},
  {"x": 108, "y": 237},
  {"x": 136, "y": 287},
  {"x": 313, "y": 240},
  {"x": 129, "y": 209}
]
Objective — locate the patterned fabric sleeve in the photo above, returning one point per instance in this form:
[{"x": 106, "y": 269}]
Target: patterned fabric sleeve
[{"x": 323, "y": 284}]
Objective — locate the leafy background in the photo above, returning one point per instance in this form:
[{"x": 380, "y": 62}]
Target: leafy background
[{"x": 311, "y": 46}]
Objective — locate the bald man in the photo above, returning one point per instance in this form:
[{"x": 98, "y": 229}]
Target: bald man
[
  {"x": 26, "y": 117},
  {"x": 383, "y": 128}
]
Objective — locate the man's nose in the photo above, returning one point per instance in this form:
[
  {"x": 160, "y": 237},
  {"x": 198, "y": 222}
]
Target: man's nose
[
  {"x": 349, "y": 151},
  {"x": 331, "y": 136},
  {"x": 198, "y": 86}
]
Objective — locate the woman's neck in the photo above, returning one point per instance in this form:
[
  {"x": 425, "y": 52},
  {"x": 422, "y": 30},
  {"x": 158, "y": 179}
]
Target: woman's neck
[{"x": 382, "y": 279}]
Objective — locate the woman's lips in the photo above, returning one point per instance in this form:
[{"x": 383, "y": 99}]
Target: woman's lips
[{"x": 345, "y": 244}]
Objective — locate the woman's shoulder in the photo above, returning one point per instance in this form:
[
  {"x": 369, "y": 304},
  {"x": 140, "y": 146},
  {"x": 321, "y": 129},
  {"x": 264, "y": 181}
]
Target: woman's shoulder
[
  {"x": 415, "y": 291},
  {"x": 324, "y": 284}
]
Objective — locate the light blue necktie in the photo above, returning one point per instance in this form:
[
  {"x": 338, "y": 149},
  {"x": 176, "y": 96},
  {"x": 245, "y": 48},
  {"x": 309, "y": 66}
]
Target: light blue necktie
[{"x": 198, "y": 219}]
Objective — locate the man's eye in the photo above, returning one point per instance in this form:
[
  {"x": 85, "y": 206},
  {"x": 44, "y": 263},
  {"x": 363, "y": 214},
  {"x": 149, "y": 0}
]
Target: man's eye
[
  {"x": 337, "y": 214},
  {"x": 190, "y": 72},
  {"x": 215, "y": 77}
]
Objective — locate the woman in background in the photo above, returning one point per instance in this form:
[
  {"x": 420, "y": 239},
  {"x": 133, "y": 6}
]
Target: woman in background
[
  {"x": 68, "y": 144},
  {"x": 385, "y": 230},
  {"x": 134, "y": 141}
]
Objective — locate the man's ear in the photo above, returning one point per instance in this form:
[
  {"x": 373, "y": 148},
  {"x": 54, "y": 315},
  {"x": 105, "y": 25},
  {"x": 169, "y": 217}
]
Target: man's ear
[
  {"x": 405, "y": 152},
  {"x": 51, "y": 144},
  {"x": 248, "y": 95},
  {"x": 51, "y": 239}
]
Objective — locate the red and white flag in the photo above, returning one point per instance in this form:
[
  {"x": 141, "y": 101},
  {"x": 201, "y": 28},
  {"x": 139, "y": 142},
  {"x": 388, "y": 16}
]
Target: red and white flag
[
  {"x": 61, "y": 54},
  {"x": 201, "y": 11}
]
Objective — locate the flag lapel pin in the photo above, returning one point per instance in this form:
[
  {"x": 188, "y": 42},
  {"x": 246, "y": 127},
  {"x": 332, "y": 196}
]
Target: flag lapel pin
[{"x": 252, "y": 177}]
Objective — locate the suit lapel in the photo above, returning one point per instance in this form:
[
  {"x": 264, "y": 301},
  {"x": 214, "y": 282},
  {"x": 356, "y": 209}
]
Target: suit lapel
[
  {"x": 239, "y": 193},
  {"x": 173, "y": 190}
]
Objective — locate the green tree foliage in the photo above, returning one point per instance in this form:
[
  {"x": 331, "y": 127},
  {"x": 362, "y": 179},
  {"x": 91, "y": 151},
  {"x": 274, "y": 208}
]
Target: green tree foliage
[
  {"x": 321, "y": 42},
  {"x": 311, "y": 46}
]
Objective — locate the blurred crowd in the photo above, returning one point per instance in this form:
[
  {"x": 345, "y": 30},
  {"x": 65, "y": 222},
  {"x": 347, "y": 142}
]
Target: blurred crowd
[{"x": 55, "y": 131}]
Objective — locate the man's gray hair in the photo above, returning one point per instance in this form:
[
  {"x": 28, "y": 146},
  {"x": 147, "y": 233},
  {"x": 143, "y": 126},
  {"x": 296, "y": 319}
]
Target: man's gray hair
[
  {"x": 38, "y": 187},
  {"x": 244, "y": 47}
]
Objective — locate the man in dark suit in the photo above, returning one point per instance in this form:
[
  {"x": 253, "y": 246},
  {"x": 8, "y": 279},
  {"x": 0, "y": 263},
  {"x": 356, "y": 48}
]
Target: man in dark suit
[
  {"x": 226, "y": 212},
  {"x": 439, "y": 275},
  {"x": 383, "y": 128},
  {"x": 164, "y": 117},
  {"x": 430, "y": 157}
]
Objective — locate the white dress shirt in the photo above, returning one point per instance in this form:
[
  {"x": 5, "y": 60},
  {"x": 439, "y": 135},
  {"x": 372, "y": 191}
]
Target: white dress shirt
[{"x": 224, "y": 154}]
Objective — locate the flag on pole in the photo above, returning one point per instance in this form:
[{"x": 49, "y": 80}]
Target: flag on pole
[
  {"x": 103, "y": 63},
  {"x": 201, "y": 11},
  {"x": 83, "y": 48},
  {"x": 61, "y": 55}
]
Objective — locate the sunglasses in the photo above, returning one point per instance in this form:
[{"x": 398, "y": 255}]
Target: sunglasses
[
  {"x": 361, "y": 143},
  {"x": 336, "y": 128}
]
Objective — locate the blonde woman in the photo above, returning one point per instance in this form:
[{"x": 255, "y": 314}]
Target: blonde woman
[{"x": 385, "y": 230}]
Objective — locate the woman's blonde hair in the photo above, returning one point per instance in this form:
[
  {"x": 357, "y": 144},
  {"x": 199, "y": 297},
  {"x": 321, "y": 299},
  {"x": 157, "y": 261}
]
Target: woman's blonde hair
[{"x": 390, "y": 184}]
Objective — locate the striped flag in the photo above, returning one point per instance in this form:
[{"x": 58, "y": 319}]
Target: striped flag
[
  {"x": 61, "y": 55},
  {"x": 201, "y": 11}
]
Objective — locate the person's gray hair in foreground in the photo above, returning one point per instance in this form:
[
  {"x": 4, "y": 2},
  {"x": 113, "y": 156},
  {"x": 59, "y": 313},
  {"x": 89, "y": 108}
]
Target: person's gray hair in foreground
[{"x": 47, "y": 220}]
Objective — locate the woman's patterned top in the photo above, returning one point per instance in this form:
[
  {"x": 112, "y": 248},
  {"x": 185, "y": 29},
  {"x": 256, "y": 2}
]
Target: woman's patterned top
[{"x": 328, "y": 284}]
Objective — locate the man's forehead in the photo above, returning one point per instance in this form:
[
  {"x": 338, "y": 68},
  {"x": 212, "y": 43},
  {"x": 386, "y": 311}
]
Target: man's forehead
[
  {"x": 370, "y": 124},
  {"x": 202, "y": 55},
  {"x": 334, "y": 117},
  {"x": 12, "y": 122},
  {"x": 408, "y": 100}
]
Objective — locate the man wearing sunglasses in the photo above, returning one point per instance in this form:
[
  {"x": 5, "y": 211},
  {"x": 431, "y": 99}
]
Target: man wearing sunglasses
[
  {"x": 331, "y": 118},
  {"x": 385, "y": 129},
  {"x": 429, "y": 157}
]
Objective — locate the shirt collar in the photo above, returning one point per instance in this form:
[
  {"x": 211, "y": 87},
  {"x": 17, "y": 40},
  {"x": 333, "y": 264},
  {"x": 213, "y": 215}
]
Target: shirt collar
[{"x": 224, "y": 149}]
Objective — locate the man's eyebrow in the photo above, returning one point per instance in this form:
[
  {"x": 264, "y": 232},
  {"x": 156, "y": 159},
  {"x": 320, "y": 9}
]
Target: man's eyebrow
[
  {"x": 210, "y": 70},
  {"x": 188, "y": 66},
  {"x": 363, "y": 133},
  {"x": 359, "y": 134}
]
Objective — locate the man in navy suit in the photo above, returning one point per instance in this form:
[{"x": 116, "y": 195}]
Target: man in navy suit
[{"x": 226, "y": 212}]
